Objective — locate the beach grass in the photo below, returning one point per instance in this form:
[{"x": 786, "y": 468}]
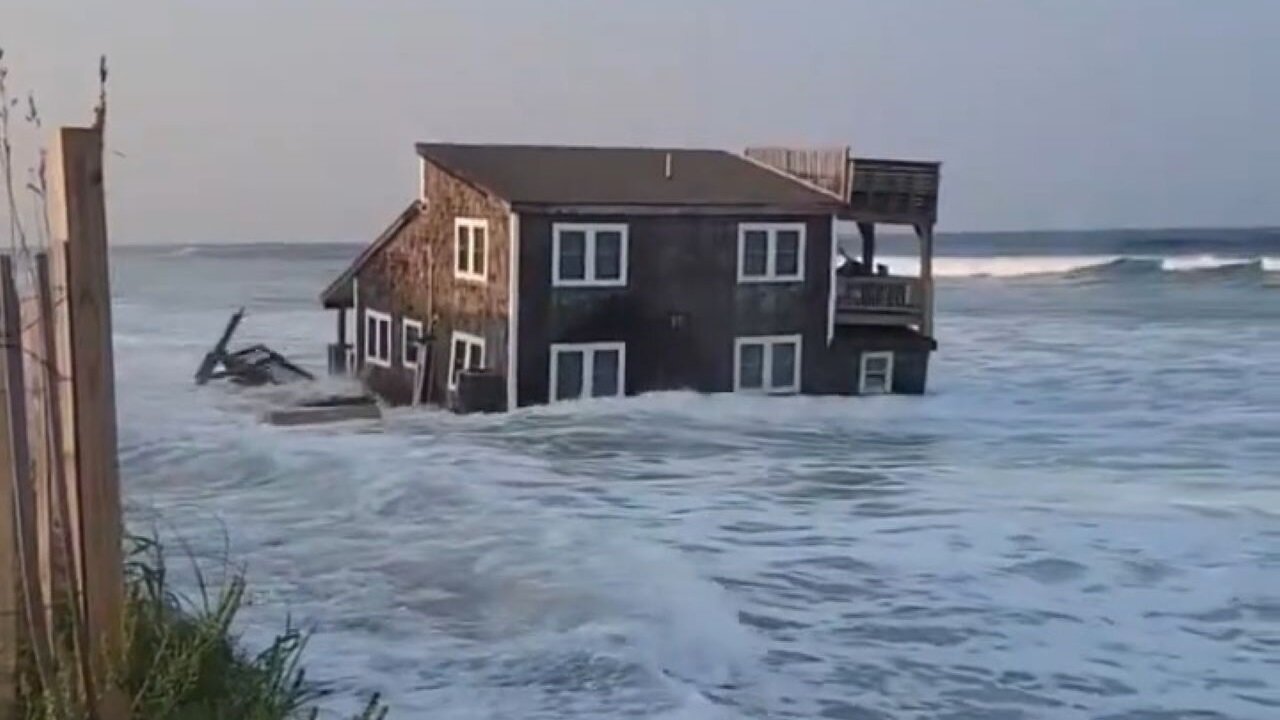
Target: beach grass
[{"x": 183, "y": 661}]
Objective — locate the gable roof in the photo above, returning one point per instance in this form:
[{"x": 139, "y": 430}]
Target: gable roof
[
  {"x": 339, "y": 293},
  {"x": 619, "y": 176}
]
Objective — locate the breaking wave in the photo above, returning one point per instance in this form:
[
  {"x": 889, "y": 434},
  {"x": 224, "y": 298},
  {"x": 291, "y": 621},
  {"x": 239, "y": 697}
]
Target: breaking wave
[{"x": 1077, "y": 266}]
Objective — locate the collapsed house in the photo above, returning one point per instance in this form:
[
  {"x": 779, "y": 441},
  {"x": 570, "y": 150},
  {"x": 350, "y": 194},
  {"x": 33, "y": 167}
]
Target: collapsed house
[{"x": 523, "y": 275}]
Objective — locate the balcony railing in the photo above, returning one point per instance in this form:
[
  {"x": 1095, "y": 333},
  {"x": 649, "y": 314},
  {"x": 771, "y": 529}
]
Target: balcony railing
[{"x": 879, "y": 299}]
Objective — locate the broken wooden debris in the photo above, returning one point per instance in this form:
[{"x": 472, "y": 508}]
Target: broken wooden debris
[
  {"x": 253, "y": 365},
  {"x": 331, "y": 409}
]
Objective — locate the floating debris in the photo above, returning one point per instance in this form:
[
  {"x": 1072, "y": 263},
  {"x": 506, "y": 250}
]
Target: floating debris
[
  {"x": 253, "y": 365},
  {"x": 324, "y": 410}
]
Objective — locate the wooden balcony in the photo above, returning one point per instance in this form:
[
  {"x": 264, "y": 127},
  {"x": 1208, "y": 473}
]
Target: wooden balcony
[
  {"x": 879, "y": 300},
  {"x": 894, "y": 191}
]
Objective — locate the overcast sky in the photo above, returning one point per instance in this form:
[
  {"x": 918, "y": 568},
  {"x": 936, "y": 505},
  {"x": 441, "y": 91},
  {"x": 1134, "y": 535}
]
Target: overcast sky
[{"x": 294, "y": 120}]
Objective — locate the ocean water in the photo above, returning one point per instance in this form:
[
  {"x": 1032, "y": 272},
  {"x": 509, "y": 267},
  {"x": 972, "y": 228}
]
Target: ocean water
[{"x": 1080, "y": 520}]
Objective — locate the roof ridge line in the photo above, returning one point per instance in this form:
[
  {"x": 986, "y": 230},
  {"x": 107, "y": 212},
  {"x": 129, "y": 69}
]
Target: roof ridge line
[{"x": 555, "y": 146}]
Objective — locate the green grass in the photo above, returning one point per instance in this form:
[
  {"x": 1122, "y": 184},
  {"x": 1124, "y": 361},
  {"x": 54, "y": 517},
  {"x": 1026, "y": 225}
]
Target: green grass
[{"x": 182, "y": 660}]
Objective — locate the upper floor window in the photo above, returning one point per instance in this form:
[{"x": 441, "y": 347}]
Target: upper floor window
[
  {"x": 771, "y": 252},
  {"x": 589, "y": 255},
  {"x": 377, "y": 338},
  {"x": 470, "y": 249}
]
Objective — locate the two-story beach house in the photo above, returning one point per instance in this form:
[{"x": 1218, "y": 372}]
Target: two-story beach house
[{"x": 523, "y": 275}]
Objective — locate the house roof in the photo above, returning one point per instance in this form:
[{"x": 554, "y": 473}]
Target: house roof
[
  {"x": 621, "y": 176},
  {"x": 339, "y": 292}
]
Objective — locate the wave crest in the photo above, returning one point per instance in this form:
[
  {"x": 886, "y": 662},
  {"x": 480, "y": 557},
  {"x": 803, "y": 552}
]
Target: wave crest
[{"x": 1011, "y": 266}]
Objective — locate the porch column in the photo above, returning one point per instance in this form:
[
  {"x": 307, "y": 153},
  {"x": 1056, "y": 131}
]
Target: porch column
[
  {"x": 868, "y": 232},
  {"x": 925, "y": 233},
  {"x": 338, "y": 351}
]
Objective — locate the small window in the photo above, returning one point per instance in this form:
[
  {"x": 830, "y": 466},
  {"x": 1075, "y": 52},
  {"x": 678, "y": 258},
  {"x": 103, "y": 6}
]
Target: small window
[
  {"x": 875, "y": 375},
  {"x": 767, "y": 364},
  {"x": 589, "y": 255},
  {"x": 471, "y": 249},
  {"x": 588, "y": 370},
  {"x": 410, "y": 342},
  {"x": 377, "y": 338},
  {"x": 771, "y": 252},
  {"x": 466, "y": 352}
]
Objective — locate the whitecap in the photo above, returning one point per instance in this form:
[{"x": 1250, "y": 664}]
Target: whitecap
[
  {"x": 1188, "y": 263},
  {"x": 999, "y": 265}
]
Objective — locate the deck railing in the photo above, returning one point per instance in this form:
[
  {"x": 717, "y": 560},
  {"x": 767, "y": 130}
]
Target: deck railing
[{"x": 879, "y": 294}]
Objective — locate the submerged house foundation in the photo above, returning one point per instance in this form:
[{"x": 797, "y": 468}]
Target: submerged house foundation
[{"x": 523, "y": 275}]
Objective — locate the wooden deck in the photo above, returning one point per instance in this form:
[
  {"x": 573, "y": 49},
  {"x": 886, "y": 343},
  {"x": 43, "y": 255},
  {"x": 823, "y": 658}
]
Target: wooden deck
[{"x": 879, "y": 191}]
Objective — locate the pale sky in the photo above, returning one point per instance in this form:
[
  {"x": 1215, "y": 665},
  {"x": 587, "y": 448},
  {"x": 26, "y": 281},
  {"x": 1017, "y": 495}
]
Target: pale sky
[{"x": 294, "y": 120}]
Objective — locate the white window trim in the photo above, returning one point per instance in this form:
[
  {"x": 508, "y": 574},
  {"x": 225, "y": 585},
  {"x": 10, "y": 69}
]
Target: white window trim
[
  {"x": 888, "y": 375},
  {"x": 513, "y": 311},
  {"x": 405, "y": 325},
  {"x": 471, "y": 340},
  {"x": 378, "y": 317},
  {"x": 589, "y": 276},
  {"x": 768, "y": 341},
  {"x": 771, "y": 258},
  {"x": 471, "y": 273},
  {"x": 588, "y": 367}
]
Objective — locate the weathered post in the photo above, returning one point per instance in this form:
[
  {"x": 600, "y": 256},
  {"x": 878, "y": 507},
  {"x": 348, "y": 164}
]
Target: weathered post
[
  {"x": 87, "y": 374},
  {"x": 925, "y": 232},
  {"x": 11, "y": 614},
  {"x": 45, "y": 423},
  {"x": 16, "y": 462}
]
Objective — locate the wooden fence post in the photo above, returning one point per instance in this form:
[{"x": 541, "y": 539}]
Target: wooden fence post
[
  {"x": 52, "y": 521},
  {"x": 11, "y": 609},
  {"x": 16, "y": 456},
  {"x": 83, "y": 327}
]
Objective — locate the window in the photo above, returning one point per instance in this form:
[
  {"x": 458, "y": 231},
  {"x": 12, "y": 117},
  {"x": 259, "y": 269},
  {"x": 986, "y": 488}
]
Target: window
[
  {"x": 767, "y": 364},
  {"x": 410, "y": 338},
  {"x": 466, "y": 353},
  {"x": 588, "y": 370},
  {"x": 471, "y": 249},
  {"x": 771, "y": 252},
  {"x": 589, "y": 255},
  {"x": 875, "y": 373},
  {"x": 377, "y": 338}
]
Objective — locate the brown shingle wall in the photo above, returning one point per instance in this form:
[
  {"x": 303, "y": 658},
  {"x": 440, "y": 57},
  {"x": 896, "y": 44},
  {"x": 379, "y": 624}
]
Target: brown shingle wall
[{"x": 413, "y": 277}]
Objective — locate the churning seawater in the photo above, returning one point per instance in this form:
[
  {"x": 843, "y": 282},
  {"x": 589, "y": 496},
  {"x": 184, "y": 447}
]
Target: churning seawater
[{"x": 1080, "y": 520}]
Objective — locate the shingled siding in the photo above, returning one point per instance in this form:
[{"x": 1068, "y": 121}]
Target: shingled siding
[
  {"x": 838, "y": 374},
  {"x": 413, "y": 277},
  {"x": 682, "y": 307}
]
